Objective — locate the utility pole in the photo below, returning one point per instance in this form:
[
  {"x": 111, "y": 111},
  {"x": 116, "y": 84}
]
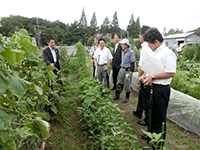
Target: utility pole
[{"x": 37, "y": 33}]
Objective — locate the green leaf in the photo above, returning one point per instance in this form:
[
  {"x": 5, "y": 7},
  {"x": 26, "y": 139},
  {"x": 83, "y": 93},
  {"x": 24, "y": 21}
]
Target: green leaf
[
  {"x": 18, "y": 86},
  {"x": 11, "y": 144},
  {"x": 54, "y": 109},
  {"x": 45, "y": 98},
  {"x": 9, "y": 55},
  {"x": 148, "y": 134},
  {"x": 3, "y": 81},
  {"x": 30, "y": 102},
  {"x": 39, "y": 89},
  {"x": 5, "y": 137},
  {"x": 43, "y": 126},
  {"x": 12, "y": 103},
  {"x": 18, "y": 57},
  {"x": 24, "y": 131}
]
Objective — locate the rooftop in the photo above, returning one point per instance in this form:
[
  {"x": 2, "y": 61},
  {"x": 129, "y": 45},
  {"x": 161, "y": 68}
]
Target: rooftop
[{"x": 180, "y": 35}]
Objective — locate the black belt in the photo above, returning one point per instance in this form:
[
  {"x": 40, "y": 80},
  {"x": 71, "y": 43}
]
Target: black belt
[
  {"x": 126, "y": 68},
  {"x": 102, "y": 65}
]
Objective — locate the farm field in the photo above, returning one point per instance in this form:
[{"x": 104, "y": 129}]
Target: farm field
[
  {"x": 38, "y": 111},
  {"x": 67, "y": 133}
]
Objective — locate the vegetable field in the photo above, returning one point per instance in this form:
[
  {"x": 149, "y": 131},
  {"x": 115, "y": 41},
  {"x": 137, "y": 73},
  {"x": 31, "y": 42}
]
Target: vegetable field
[{"x": 36, "y": 111}]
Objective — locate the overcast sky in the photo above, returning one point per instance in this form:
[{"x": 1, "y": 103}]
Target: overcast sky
[{"x": 155, "y": 13}]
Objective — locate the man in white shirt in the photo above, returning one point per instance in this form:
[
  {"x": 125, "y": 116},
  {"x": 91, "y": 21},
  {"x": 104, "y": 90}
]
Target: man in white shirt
[
  {"x": 92, "y": 51},
  {"x": 102, "y": 58},
  {"x": 158, "y": 83},
  {"x": 142, "y": 96}
]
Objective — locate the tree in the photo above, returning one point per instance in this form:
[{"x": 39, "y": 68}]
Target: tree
[
  {"x": 174, "y": 31},
  {"x": 131, "y": 21},
  {"x": 115, "y": 24},
  {"x": 83, "y": 20},
  {"x": 136, "y": 30},
  {"x": 93, "y": 24},
  {"x": 131, "y": 26},
  {"x": 105, "y": 27}
]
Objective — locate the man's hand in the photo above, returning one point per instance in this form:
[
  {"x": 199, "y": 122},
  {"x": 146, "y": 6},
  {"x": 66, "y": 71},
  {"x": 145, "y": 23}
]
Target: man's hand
[
  {"x": 148, "y": 80},
  {"x": 138, "y": 86},
  {"x": 52, "y": 64},
  {"x": 141, "y": 78},
  {"x": 130, "y": 74},
  {"x": 106, "y": 68}
]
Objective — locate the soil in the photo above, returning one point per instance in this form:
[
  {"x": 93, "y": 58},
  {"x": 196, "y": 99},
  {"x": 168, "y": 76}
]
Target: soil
[{"x": 129, "y": 117}]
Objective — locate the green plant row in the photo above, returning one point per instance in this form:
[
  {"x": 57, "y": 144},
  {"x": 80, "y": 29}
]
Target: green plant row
[
  {"x": 187, "y": 79},
  {"x": 28, "y": 93},
  {"x": 103, "y": 120}
]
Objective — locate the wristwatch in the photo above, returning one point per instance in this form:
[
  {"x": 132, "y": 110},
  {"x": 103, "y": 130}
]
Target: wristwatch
[
  {"x": 138, "y": 82},
  {"x": 153, "y": 78}
]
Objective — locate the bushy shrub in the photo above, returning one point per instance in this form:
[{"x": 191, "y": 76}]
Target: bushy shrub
[
  {"x": 192, "y": 52},
  {"x": 90, "y": 41}
]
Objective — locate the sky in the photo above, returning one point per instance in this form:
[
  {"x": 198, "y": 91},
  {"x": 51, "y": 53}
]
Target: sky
[{"x": 174, "y": 14}]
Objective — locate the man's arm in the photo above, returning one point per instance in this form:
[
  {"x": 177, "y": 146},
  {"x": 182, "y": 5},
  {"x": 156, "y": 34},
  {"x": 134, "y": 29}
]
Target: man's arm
[
  {"x": 48, "y": 63},
  {"x": 95, "y": 62},
  {"x": 108, "y": 64},
  {"x": 163, "y": 75}
]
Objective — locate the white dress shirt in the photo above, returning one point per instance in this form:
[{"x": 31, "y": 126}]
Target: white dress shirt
[
  {"x": 144, "y": 53},
  {"x": 168, "y": 58},
  {"x": 93, "y": 49},
  {"x": 103, "y": 55},
  {"x": 53, "y": 52},
  {"x": 116, "y": 45}
]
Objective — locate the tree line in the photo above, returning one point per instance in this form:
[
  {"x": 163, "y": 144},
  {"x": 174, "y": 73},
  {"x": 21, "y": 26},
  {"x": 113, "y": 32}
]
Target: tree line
[{"x": 68, "y": 34}]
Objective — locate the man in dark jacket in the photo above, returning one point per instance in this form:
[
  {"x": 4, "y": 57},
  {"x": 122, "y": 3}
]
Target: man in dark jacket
[
  {"x": 51, "y": 55},
  {"x": 116, "y": 61}
]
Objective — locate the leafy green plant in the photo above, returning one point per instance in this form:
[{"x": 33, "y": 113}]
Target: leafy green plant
[{"x": 103, "y": 119}]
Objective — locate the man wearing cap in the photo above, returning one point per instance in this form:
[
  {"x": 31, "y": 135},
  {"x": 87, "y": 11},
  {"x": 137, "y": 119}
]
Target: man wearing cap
[
  {"x": 102, "y": 58},
  {"x": 158, "y": 83},
  {"x": 126, "y": 70}
]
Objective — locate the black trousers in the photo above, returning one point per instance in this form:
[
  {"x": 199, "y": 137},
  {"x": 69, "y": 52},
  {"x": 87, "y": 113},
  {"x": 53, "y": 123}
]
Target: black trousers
[
  {"x": 94, "y": 70},
  {"x": 143, "y": 102},
  {"x": 161, "y": 95},
  {"x": 115, "y": 74}
]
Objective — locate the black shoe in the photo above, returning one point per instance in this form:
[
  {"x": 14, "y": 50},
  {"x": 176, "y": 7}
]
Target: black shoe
[
  {"x": 145, "y": 137},
  {"x": 127, "y": 97},
  {"x": 116, "y": 98},
  {"x": 126, "y": 100},
  {"x": 114, "y": 88},
  {"x": 142, "y": 123},
  {"x": 135, "y": 113}
]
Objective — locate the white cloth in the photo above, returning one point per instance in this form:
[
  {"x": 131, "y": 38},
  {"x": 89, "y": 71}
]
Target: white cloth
[
  {"x": 116, "y": 45},
  {"x": 103, "y": 54},
  {"x": 168, "y": 59},
  {"x": 53, "y": 52},
  {"x": 144, "y": 53},
  {"x": 93, "y": 49}
]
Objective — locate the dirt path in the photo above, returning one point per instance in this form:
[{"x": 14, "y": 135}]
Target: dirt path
[{"x": 131, "y": 119}]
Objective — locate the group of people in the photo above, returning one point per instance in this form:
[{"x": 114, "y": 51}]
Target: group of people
[
  {"x": 154, "y": 89},
  {"x": 122, "y": 64},
  {"x": 153, "y": 84}
]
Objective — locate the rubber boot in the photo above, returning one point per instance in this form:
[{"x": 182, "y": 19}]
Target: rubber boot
[
  {"x": 117, "y": 93},
  {"x": 127, "y": 97}
]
